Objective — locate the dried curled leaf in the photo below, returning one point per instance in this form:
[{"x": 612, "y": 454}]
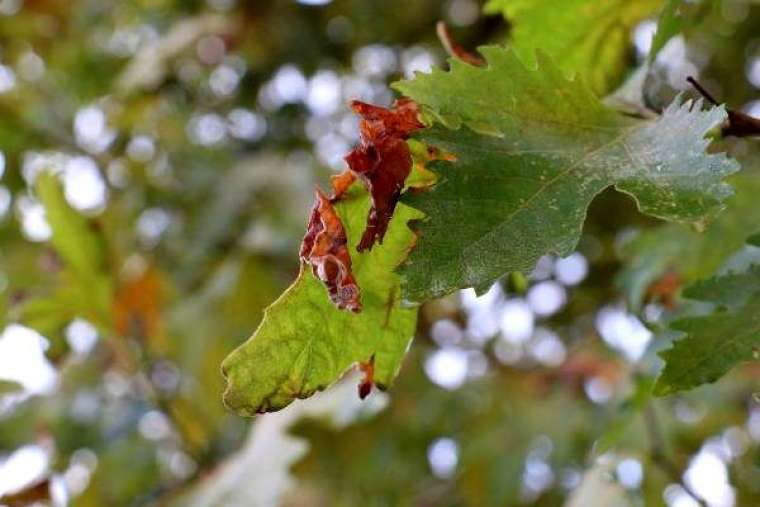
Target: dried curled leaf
[
  {"x": 382, "y": 160},
  {"x": 324, "y": 248},
  {"x": 368, "y": 378}
]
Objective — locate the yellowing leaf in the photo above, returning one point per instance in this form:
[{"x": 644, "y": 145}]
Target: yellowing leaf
[{"x": 305, "y": 343}]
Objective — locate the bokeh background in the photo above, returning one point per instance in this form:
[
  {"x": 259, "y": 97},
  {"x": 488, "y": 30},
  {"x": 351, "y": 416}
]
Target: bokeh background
[{"x": 184, "y": 139}]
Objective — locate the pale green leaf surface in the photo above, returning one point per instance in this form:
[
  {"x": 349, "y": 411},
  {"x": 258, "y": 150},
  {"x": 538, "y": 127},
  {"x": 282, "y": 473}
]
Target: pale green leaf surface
[
  {"x": 532, "y": 150},
  {"x": 588, "y": 37},
  {"x": 304, "y": 343},
  {"x": 716, "y": 342}
]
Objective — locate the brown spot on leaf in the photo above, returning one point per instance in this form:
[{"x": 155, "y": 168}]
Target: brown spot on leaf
[
  {"x": 382, "y": 160},
  {"x": 324, "y": 248}
]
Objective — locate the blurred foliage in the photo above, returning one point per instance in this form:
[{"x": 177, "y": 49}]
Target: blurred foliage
[{"x": 159, "y": 158}]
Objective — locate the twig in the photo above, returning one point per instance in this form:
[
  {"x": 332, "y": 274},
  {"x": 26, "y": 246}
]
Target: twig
[
  {"x": 702, "y": 91},
  {"x": 739, "y": 124},
  {"x": 454, "y": 49}
]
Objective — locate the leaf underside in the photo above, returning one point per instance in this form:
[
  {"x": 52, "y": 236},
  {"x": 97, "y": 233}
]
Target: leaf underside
[
  {"x": 532, "y": 149},
  {"x": 305, "y": 343}
]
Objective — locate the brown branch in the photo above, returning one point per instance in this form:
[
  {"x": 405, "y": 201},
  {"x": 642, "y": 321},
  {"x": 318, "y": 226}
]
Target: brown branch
[
  {"x": 739, "y": 124},
  {"x": 454, "y": 49}
]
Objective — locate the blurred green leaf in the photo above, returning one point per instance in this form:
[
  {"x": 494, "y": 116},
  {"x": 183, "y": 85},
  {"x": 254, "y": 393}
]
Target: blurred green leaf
[
  {"x": 690, "y": 254},
  {"x": 78, "y": 245},
  {"x": 676, "y": 16},
  {"x": 588, "y": 38},
  {"x": 716, "y": 342}
]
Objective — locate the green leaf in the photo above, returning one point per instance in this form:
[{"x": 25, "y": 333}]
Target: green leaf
[
  {"x": 668, "y": 26},
  {"x": 714, "y": 343},
  {"x": 589, "y": 37},
  {"x": 676, "y": 16},
  {"x": 79, "y": 247},
  {"x": 532, "y": 150},
  {"x": 72, "y": 237},
  {"x": 689, "y": 253},
  {"x": 304, "y": 343}
]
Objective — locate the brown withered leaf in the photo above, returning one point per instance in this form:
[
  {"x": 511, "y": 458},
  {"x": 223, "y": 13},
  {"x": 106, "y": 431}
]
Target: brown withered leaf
[
  {"x": 368, "y": 380},
  {"x": 137, "y": 306},
  {"x": 382, "y": 161},
  {"x": 324, "y": 247},
  {"x": 665, "y": 290},
  {"x": 35, "y": 494},
  {"x": 341, "y": 183}
]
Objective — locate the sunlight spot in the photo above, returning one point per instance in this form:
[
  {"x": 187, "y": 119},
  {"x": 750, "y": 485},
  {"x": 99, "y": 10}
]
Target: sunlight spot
[
  {"x": 443, "y": 456},
  {"x": 5, "y": 201},
  {"x": 571, "y": 270},
  {"x": 207, "y": 129},
  {"x": 598, "y": 390},
  {"x": 374, "y": 60},
  {"x": 516, "y": 321},
  {"x": 30, "y": 66},
  {"x": 141, "y": 148},
  {"x": 623, "y": 331},
  {"x": 417, "y": 59},
  {"x": 546, "y": 298},
  {"x": 246, "y": 125},
  {"x": 324, "y": 96},
  {"x": 707, "y": 476},
  {"x": 642, "y": 37},
  {"x": 7, "y": 79},
  {"x": 446, "y": 332},
  {"x": 447, "y": 367},
  {"x": 463, "y": 12},
  {"x": 81, "y": 336},
  {"x": 224, "y": 81},
  {"x": 154, "y": 425},
  {"x": 676, "y": 496},
  {"x": 547, "y": 348},
  {"x": 34, "y": 225},
  {"x": 91, "y": 130},
  {"x": 753, "y": 72},
  {"x": 22, "y": 359},
  {"x": 152, "y": 224},
  {"x": 24, "y": 467},
  {"x": 630, "y": 473},
  {"x": 83, "y": 185}
]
